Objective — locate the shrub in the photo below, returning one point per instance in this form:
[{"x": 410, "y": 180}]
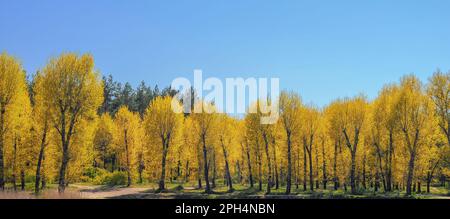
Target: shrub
[
  {"x": 100, "y": 176},
  {"x": 94, "y": 175},
  {"x": 117, "y": 178},
  {"x": 111, "y": 179},
  {"x": 90, "y": 172}
]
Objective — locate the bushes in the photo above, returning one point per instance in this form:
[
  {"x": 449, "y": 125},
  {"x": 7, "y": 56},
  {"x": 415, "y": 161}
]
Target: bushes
[
  {"x": 116, "y": 178},
  {"x": 111, "y": 179},
  {"x": 100, "y": 176}
]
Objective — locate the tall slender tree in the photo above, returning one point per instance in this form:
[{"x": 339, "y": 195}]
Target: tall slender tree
[
  {"x": 72, "y": 91},
  {"x": 290, "y": 105},
  {"x": 162, "y": 124},
  {"x": 12, "y": 85}
]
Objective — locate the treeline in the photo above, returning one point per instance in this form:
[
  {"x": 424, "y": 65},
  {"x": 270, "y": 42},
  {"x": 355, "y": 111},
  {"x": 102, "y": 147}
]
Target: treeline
[
  {"x": 70, "y": 126},
  {"x": 116, "y": 95}
]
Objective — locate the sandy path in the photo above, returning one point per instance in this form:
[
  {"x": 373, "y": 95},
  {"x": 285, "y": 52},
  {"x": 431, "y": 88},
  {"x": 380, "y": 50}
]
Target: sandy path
[
  {"x": 98, "y": 192},
  {"x": 101, "y": 192}
]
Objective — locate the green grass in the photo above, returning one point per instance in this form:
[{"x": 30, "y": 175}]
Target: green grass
[
  {"x": 176, "y": 190},
  {"x": 189, "y": 190}
]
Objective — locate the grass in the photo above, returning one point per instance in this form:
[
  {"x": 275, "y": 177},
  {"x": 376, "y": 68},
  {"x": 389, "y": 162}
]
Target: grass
[{"x": 190, "y": 191}]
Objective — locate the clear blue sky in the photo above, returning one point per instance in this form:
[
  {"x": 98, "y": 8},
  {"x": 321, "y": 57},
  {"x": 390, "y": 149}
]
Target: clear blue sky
[{"x": 321, "y": 49}]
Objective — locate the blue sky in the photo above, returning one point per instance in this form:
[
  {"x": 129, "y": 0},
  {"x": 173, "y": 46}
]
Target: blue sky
[{"x": 321, "y": 49}]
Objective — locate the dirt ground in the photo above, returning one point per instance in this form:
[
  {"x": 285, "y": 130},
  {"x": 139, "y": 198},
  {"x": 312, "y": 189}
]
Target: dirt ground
[
  {"x": 101, "y": 192},
  {"x": 80, "y": 191}
]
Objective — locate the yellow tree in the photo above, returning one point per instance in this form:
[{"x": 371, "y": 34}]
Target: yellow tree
[
  {"x": 334, "y": 126},
  {"x": 414, "y": 109},
  {"x": 261, "y": 137},
  {"x": 205, "y": 125},
  {"x": 354, "y": 116},
  {"x": 191, "y": 151},
  {"x": 12, "y": 84},
  {"x": 434, "y": 154},
  {"x": 384, "y": 128},
  {"x": 290, "y": 105},
  {"x": 324, "y": 155},
  {"x": 103, "y": 140},
  {"x": 267, "y": 133},
  {"x": 126, "y": 139},
  {"x": 162, "y": 124},
  {"x": 140, "y": 151},
  {"x": 81, "y": 152},
  {"x": 439, "y": 91},
  {"x": 72, "y": 91},
  {"x": 245, "y": 150},
  {"x": 277, "y": 133},
  {"x": 19, "y": 137},
  {"x": 226, "y": 135},
  {"x": 254, "y": 139},
  {"x": 310, "y": 120},
  {"x": 430, "y": 157},
  {"x": 41, "y": 125}
]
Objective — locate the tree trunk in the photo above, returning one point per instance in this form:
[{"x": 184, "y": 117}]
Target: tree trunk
[
  {"x": 40, "y": 158},
  {"x": 205, "y": 165},
  {"x": 227, "y": 168},
  {"x": 324, "y": 168},
  {"x": 335, "y": 178},
  {"x": 239, "y": 172},
  {"x": 141, "y": 180},
  {"x": 104, "y": 158},
  {"x": 289, "y": 169},
  {"x": 377, "y": 180},
  {"x": 249, "y": 163},
  {"x": 259, "y": 172},
  {"x": 311, "y": 176},
  {"x": 200, "y": 183},
  {"x": 178, "y": 170},
  {"x": 316, "y": 174},
  {"x": 128, "y": 169},
  {"x": 186, "y": 172},
  {"x": 304, "y": 165},
  {"x": 2, "y": 174},
  {"x": 352, "y": 172},
  {"x": 22, "y": 180},
  {"x": 14, "y": 181},
  {"x": 141, "y": 167},
  {"x": 165, "y": 144},
  {"x": 62, "y": 170},
  {"x": 389, "y": 163},
  {"x": 380, "y": 166},
  {"x": 199, "y": 167},
  {"x": 282, "y": 176},
  {"x": 352, "y": 148},
  {"x": 269, "y": 164},
  {"x": 410, "y": 176},
  {"x": 14, "y": 159},
  {"x": 2, "y": 141},
  {"x": 162, "y": 180},
  {"x": 364, "y": 172},
  {"x": 44, "y": 182},
  {"x": 277, "y": 180},
  {"x": 214, "y": 176},
  {"x": 277, "y": 184},
  {"x": 65, "y": 142}
]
